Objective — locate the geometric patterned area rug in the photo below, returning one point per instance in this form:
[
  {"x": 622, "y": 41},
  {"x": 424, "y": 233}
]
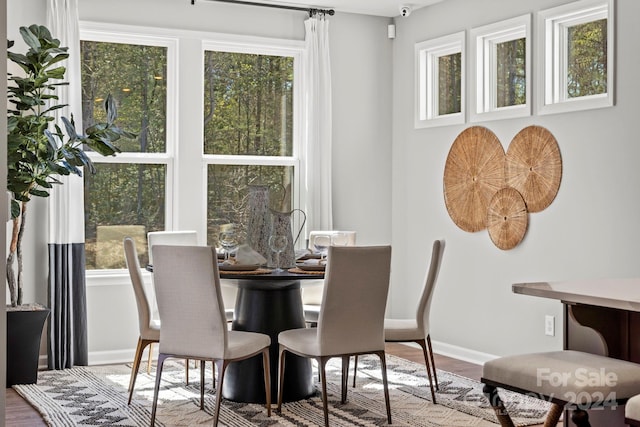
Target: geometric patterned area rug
[{"x": 97, "y": 395}]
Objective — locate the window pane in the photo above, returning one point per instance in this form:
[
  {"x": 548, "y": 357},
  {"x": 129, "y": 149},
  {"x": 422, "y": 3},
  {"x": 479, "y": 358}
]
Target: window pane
[
  {"x": 122, "y": 200},
  {"x": 135, "y": 76},
  {"x": 248, "y": 104},
  {"x": 449, "y": 83},
  {"x": 228, "y": 190},
  {"x": 510, "y": 73},
  {"x": 587, "y": 59}
]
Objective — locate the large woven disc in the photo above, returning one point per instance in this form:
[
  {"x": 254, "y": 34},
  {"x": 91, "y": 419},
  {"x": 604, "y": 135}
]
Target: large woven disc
[
  {"x": 507, "y": 218},
  {"x": 534, "y": 167},
  {"x": 474, "y": 171}
]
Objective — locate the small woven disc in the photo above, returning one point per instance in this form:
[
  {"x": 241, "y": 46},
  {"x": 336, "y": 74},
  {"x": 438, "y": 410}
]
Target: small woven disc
[
  {"x": 507, "y": 218},
  {"x": 534, "y": 167},
  {"x": 474, "y": 171}
]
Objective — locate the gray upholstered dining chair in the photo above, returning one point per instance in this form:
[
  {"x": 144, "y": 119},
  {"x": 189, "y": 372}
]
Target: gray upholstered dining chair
[
  {"x": 189, "y": 237},
  {"x": 194, "y": 324},
  {"x": 417, "y": 329},
  {"x": 312, "y": 292},
  {"x": 351, "y": 320},
  {"x": 149, "y": 329}
]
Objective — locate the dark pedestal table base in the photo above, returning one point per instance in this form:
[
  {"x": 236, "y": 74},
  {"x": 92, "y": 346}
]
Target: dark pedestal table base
[{"x": 269, "y": 308}]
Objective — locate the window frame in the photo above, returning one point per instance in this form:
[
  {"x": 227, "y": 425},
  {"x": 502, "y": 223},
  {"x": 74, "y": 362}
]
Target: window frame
[
  {"x": 552, "y": 44},
  {"x": 426, "y": 80},
  {"x": 91, "y": 31},
  {"x": 484, "y": 81},
  {"x": 262, "y": 46}
]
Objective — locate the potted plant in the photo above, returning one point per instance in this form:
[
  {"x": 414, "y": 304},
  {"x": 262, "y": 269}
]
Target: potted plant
[{"x": 38, "y": 151}]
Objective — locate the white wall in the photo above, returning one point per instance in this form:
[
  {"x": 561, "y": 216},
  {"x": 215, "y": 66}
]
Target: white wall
[
  {"x": 361, "y": 71},
  {"x": 591, "y": 229}
]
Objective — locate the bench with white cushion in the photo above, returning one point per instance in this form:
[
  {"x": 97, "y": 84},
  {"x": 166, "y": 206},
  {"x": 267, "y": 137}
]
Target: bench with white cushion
[{"x": 568, "y": 379}]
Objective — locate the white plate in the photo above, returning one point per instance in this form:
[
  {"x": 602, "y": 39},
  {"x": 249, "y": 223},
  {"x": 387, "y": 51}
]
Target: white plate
[
  {"x": 238, "y": 267},
  {"x": 311, "y": 267}
]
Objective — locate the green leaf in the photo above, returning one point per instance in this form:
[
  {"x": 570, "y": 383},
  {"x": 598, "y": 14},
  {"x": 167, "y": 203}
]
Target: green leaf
[
  {"x": 30, "y": 38},
  {"x": 38, "y": 193},
  {"x": 15, "y": 209},
  {"x": 43, "y": 183},
  {"x": 71, "y": 129}
]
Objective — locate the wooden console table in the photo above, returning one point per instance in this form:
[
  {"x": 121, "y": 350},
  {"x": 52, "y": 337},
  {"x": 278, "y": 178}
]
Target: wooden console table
[{"x": 600, "y": 317}]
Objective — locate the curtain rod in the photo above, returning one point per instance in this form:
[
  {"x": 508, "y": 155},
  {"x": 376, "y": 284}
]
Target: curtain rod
[{"x": 312, "y": 11}]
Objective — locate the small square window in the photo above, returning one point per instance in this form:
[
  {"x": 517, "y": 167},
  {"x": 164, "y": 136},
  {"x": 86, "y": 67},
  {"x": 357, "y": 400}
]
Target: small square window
[
  {"x": 578, "y": 66},
  {"x": 440, "y": 79},
  {"x": 501, "y": 85}
]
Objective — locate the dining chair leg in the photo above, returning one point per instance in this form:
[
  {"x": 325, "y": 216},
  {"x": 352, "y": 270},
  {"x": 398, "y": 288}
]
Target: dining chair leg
[
  {"x": 222, "y": 366},
  {"x": 150, "y": 359},
  {"x": 322, "y": 364},
  {"x": 281, "y": 358},
  {"x": 344, "y": 379},
  {"x": 213, "y": 374},
  {"x": 433, "y": 363},
  {"x": 423, "y": 344},
  {"x": 186, "y": 368},
  {"x": 136, "y": 365},
  {"x": 491, "y": 393},
  {"x": 156, "y": 390},
  {"x": 267, "y": 379},
  {"x": 355, "y": 370},
  {"x": 383, "y": 365},
  {"x": 554, "y": 414},
  {"x": 202, "y": 385}
]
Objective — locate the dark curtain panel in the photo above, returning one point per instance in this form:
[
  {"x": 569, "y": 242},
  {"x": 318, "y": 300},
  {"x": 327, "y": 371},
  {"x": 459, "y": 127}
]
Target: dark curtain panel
[{"x": 67, "y": 337}]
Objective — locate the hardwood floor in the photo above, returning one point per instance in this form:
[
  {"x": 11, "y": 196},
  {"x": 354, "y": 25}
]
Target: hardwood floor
[{"x": 19, "y": 413}]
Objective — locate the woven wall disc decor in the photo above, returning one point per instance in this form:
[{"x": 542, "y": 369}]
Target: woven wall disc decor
[
  {"x": 507, "y": 218},
  {"x": 534, "y": 167},
  {"x": 473, "y": 173}
]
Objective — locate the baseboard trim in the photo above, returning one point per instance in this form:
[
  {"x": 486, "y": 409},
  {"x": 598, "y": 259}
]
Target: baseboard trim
[
  {"x": 115, "y": 356},
  {"x": 445, "y": 349},
  {"x": 460, "y": 353}
]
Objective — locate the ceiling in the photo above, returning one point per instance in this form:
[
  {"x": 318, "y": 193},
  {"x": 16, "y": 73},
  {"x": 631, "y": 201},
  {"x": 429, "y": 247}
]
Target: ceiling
[{"x": 390, "y": 8}]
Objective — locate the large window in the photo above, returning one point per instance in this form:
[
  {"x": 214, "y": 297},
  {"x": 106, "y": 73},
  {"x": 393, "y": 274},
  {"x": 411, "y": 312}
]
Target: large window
[
  {"x": 128, "y": 195},
  {"x": 249, "y": 131},
  {"x": 225, "y": 117}
]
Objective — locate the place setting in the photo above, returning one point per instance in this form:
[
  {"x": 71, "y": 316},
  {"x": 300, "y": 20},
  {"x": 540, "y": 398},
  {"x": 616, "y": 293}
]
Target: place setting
[
  {"x": 315, "y": 261},
  {"x": 239, "y": 258}
]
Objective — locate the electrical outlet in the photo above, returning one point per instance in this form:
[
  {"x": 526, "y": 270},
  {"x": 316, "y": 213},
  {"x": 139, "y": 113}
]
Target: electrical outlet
[{"x": 549, "y": 325}]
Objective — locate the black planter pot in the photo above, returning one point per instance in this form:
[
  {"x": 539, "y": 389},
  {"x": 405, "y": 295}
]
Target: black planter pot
[{"x": 24, "y": 331}]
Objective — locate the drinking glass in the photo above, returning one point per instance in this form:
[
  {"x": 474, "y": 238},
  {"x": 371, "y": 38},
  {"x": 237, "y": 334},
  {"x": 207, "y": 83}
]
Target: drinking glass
[
  {"x": 229, "y": 242},
  {"x": 278, "y": 243},
  {"x": 321, "y": 243},
  {"x": 339, "y": 239}
]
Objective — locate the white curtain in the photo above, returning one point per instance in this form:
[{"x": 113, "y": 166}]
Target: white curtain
[
  {"x": 67, "y": 340},
  {"x": 317, "y": 99}
]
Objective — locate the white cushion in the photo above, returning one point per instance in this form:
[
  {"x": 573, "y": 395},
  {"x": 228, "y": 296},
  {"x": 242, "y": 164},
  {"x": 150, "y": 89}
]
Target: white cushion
[{"x": 571, "y": 376}]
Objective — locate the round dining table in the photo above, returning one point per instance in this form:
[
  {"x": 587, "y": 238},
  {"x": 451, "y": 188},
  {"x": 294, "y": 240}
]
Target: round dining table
[{"x": 268, "y": 302}]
